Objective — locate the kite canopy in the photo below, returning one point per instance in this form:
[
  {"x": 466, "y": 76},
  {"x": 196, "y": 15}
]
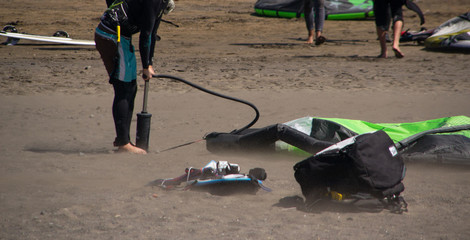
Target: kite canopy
[
  {"x": 335, "y": 10},
  {"x": 444, "y": 138},
  {"x": 453, "y": 34}
]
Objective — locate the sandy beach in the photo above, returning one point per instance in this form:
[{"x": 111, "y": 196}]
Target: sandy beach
[{"x": 61, "y": 179}]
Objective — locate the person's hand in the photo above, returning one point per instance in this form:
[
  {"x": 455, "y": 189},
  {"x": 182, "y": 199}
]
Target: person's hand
[
  {"x": 148, "y": 73},
  {"x": 170, "y": 7}
]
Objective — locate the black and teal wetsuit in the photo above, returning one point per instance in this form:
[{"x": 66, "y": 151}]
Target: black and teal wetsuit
[
  {"x": 137, "y": 16},
  {"x": 386, "y": 10},
  {"x": 133, "y": 16}
]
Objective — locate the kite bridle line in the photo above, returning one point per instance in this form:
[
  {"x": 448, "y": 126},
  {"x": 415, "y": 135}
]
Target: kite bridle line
[{"x": 236, "y": 131}]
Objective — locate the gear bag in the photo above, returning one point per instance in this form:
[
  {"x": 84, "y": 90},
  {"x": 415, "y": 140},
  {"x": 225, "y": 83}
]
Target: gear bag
[{"x": 364, "y": 165}]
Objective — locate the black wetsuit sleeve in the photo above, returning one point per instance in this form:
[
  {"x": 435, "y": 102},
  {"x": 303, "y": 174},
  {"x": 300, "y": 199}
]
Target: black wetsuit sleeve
[
  {"x": 151, "y": 15},
  {"x": 153, "y": 42}
]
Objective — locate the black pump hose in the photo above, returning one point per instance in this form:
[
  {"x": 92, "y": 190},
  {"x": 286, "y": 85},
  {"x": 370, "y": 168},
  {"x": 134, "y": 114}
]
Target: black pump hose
[{"x": 236, "y": 131}]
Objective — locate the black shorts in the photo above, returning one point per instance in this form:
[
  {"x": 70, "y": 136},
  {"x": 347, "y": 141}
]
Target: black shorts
[{"x": 386, "y": 9}]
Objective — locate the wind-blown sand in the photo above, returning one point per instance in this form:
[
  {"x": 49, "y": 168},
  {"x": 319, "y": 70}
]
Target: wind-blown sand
[{"x": 59, "y": 176}]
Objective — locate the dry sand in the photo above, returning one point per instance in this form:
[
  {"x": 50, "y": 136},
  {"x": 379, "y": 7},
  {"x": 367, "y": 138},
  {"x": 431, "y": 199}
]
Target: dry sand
[{"x": 59, "y": 177}]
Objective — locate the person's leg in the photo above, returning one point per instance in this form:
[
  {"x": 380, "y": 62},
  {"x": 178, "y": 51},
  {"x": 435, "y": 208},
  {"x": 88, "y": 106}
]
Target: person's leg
[
  {"x": 397, "y": 16},
  {"x": 382, "y": 35},
  {"x": 319, "y": 9},
  {"x": 309, "y": 20},
  {"x": 311, "y": 36},
  {"x": 107, "y": 47},
  {"x": 130, "y": 102},
  {"x": 124, "y": 94},
  {"x": 123, "y": 106},
  {"x": 382, "y": 13},
  {"x": 397, "y": 27}
]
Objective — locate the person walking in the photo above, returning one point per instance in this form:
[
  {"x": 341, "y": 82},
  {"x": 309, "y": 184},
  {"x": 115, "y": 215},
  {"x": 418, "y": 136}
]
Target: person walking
[
  {"x": 386, "y": 11},
  {"x": 314, "y": 13},
  {"x": 383, "y": 11}
]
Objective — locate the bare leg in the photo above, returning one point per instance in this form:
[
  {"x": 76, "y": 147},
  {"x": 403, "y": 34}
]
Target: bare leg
[
  {"x": 310, "y": 37},
  {"x": 397, "y": 26},
  {"x": 383, "y": 42},
  {"x": 317, "y": 34}
]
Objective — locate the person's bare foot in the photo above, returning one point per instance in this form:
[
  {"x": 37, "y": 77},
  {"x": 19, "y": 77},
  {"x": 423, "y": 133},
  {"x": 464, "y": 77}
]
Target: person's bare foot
[
  {"x": 309, "y": 40},
  {"x": 398, "y": 53},
  {"x": 131, "y": 149},
  {"x": 382, "y": 55}
]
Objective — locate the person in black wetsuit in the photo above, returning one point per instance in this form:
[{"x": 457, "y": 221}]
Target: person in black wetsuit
[
  {"x": 113, "y": 38},
  {"x": 382, "y": 11}
]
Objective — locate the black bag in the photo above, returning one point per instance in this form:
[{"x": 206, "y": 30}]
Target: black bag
[{"x": 367, "y": 165}]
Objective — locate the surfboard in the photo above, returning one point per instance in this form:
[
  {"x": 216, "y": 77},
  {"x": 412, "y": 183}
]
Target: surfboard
[
  {"x": 229, "y": 179},
  {"x": 52, "y": 39},
  {"x": 228, "y": 184}
]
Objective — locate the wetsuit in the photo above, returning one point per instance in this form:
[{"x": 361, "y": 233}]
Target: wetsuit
[
  {"x": 132, "y": 16},
  {"x": 317, "y": 7},
  {"x": 384, "y": 10}
]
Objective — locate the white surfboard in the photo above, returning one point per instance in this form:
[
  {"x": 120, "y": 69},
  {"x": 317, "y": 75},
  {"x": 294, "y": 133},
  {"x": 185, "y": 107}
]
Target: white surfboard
[{"x": 63, "y": 40}]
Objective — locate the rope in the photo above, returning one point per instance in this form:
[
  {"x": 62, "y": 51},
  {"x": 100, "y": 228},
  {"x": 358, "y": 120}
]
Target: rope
[{"x": 182, "y": 145}]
